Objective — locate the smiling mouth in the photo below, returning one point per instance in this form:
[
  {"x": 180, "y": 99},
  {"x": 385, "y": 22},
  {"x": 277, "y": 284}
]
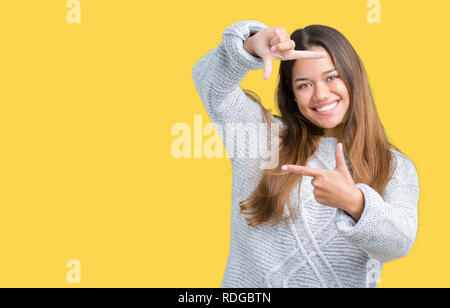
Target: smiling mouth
[{"x": 327, "y": 109}]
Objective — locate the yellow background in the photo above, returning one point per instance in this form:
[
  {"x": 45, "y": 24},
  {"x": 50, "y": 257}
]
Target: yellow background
[{"x": 86, "y": 111}]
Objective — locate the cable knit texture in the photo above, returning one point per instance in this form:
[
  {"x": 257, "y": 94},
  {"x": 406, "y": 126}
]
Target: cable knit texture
[{"x": 325, "y": 247}]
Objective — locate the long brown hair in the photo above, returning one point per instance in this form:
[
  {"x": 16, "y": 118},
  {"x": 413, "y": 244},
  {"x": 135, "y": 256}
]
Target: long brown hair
[{"x": 361, "y": 132}]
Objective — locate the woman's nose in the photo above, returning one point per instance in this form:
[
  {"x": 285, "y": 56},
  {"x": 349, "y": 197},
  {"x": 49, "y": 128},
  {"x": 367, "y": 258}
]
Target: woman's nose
[{"x": 321, "y": 92}]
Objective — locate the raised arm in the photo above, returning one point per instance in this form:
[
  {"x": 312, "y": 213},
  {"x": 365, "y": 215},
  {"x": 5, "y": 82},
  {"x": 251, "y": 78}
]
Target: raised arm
[{"x": 217, "y": 76}]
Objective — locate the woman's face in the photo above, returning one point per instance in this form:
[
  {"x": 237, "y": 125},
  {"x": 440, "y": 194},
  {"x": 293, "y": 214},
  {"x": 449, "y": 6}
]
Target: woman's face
[{"x": 316, "y": 84}]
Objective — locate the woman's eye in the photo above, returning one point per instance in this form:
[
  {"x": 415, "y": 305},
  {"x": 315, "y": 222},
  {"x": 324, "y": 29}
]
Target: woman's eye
[
  {"x": 307, "y": 85},
  {"x": 334, "y": 77},
  {"x": 303, "y": 86}
]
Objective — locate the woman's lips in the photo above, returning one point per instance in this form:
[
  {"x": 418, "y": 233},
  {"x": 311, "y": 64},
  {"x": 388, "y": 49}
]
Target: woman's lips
[{"x": 328, "y": 111}]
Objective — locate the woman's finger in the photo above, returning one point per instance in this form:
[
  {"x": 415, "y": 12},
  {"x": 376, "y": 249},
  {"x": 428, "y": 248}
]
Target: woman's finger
[
  {"x": 280, "y": 38},
  {"x": 279, "y": 30},
  {"x": 267, "y": 59},
  {"x": 283, "y": 46},
  {"x": 303, "y": 54},
  {"x": 276, "y": 40},
  {"x": 303, "y": 170}
]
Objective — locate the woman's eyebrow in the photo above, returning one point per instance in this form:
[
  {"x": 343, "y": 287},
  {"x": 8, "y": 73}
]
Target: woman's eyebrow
[{"x": 327, "y": 72}]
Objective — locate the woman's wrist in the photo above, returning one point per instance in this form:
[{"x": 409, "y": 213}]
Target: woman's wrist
[
  {"x": 248, "y": 48},
  {"x": 355, "y": 207}
]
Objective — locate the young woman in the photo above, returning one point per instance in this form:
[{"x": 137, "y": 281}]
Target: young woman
[{"x": 355, "y": 194}]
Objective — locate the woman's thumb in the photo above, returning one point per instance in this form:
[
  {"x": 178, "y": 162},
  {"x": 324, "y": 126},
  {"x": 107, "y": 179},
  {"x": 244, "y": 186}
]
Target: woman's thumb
[{"x": 267, "y": 59}]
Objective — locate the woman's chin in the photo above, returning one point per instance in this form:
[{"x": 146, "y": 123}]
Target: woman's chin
[{"x": 329, "y": 124}]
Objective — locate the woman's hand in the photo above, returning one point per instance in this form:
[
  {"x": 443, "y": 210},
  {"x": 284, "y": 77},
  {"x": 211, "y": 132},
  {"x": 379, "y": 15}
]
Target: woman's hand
[
  {"x": 276, "y": 43},
  {"x": 335, "y": 187}
]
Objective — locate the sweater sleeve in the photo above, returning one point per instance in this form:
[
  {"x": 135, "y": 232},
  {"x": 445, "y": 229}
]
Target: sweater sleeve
[
  {"x": 387, "y": 228},
  {"x": 217, "y": 76}
]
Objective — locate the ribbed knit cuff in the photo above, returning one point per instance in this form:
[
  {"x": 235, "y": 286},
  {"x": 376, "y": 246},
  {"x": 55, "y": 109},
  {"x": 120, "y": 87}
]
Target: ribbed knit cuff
[
  {"x": 365, "y": 227},
  {"x": 234, "y": 37}
]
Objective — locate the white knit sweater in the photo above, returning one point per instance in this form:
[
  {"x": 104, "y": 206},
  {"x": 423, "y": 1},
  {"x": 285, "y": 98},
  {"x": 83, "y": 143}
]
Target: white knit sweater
[{"x": 324, "y": 247}]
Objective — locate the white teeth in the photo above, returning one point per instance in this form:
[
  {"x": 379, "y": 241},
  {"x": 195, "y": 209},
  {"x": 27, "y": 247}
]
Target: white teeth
[{"x": 326, "y": 108}]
